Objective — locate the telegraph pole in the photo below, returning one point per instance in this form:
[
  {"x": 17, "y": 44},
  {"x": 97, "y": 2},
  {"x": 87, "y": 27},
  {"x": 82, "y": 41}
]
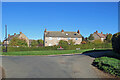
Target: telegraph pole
[{"x": 6, "y": 37}]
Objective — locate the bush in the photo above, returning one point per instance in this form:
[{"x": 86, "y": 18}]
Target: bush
[
  {"x": 109, "y": 38},
  {"x": 83, "y": 42},
  {"x": 91, "y": 37},
  {"x": 18, "y": 42},
  {"x": 116, "y": 42},
  {"x": 110, "y": 65}
]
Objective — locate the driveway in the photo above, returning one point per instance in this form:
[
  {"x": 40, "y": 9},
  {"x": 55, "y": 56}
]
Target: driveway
[{"x": 69, "y": 66}]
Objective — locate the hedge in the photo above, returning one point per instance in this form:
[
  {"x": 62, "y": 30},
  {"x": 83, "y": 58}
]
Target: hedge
[
  {"x": 116, "y": 42},
  {"x": 66, "y": 47},
  {"x": 110, "y": 65}
]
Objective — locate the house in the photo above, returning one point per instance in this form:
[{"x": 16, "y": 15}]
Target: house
[
  {"x": 53, "y": 37},
  {"x": 99, "y": 36},
  {"x": 20, "y": 36}
]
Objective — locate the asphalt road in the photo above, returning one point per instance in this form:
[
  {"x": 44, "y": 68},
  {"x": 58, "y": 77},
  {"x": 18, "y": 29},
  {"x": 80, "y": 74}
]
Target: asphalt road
[{"x": 76, "y": 66}]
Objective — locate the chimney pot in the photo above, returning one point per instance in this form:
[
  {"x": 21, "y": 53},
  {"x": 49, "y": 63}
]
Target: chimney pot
[
  {"x": 8, "y": 35},
  {"x": 62, "y": 30},
  {"x": 20, "y": 32},
  {"x": 14, "y": 33},
  {"x": 78, "y": 32},
  {"x": 101, "y": 32},
  {"x": 45, "y": 30},
  {"x": 96, "y": 31}
]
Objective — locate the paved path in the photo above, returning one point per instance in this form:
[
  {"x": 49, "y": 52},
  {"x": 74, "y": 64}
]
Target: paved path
[{"x": 77, "y": 66}]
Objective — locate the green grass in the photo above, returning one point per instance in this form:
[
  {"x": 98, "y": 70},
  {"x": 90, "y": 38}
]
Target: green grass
[
  {"x": 46, "y": 52},
  {"x": 107, "y": 64}
]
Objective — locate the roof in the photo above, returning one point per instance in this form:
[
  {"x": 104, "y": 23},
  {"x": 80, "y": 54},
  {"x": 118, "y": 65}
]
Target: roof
[
  {"x": 101, "y": 35},
  {"x": 10, "y": 37},
  {"x": 62, "y": 34}
]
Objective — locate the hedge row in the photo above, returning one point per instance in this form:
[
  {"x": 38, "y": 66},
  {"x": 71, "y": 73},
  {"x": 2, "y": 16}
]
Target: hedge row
[
  {"x": 116, "y": 42},
  {"x": 66, "y": 47},
  {"x": 110, "y": 65}
]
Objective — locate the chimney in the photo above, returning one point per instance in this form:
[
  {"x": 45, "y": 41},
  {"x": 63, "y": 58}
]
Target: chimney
[
  {"x": 20, "y": 32},
  {"x": 8, "y": 35},
  {"x": 101, "y": 32},
  {"x": 62, "y": 30},
  {"x": 96, "y": 31},
  {"x": 14, "y": 33},
  {"x": 45, "y": 30},
  {"x": 78, "y": 32}
]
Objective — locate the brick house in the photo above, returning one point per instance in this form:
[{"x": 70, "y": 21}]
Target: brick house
[
  {"x": 20, "y": 36},
  {"x": 53, "y": 37},
  {"x": 99, "y": 36}
]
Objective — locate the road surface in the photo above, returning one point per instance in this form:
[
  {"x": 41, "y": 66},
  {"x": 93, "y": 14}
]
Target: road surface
[{"x": 69, "y": 66}]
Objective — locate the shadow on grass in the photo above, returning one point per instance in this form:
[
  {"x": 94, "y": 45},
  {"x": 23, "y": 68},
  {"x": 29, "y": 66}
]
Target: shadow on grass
[{"x": 101, "y": 53}]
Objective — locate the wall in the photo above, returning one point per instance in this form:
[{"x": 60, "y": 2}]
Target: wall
[{"x": 50, "y": 41}]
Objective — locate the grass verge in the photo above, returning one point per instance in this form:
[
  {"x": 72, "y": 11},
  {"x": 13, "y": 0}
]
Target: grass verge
[
  {"x": 107, "y": 64},
  {"x": 46, "y": 52}
]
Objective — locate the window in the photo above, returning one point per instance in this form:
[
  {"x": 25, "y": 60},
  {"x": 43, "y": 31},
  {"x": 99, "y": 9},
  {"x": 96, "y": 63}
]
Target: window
[
  {"x": 50, "y": 44},
  {"x": 58, "y": 38},
  {"x": 75, "y": 34},
  {"x": 66, "y": 33},
  {"x": 56, "y": 43},
  {"x": 68, "y": 38},
  {"x": 50, "y": 38}
]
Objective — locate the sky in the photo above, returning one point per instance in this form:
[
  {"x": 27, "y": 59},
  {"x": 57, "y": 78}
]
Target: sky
[{"x": 31, "y": 18}]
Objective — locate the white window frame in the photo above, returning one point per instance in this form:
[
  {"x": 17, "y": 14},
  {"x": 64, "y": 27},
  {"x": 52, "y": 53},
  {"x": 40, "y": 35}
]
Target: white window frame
[
  {"x": 76, "y": 38},
  {"x": 58, "y": 38},
  {"x": 50, "y": 38},
  {"x": 50, "y": 44}
]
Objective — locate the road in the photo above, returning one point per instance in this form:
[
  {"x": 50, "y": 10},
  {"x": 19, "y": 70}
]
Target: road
[{"x": 69, "y": 66}]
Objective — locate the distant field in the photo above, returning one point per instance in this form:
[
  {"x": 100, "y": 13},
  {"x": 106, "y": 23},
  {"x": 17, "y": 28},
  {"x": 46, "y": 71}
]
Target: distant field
[{"x": 47, "y": 52}]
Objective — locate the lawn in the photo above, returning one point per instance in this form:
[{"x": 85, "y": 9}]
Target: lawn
[{"x": 46, "y": 52}]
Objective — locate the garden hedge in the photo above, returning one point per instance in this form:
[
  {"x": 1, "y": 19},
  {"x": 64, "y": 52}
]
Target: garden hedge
[
  {"x": 116, "y": 42},
  {"x": 66, "y": 47}
]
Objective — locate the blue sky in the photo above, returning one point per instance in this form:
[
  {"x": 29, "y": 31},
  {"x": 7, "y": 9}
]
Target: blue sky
[{"x": 32, "y": 18}]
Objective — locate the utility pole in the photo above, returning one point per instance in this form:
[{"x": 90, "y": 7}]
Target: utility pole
[{"x": 6, "y": 37}]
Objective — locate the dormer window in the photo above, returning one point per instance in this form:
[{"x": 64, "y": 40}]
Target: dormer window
[
  {"x": 66, "y": 33},
  {"x": 75, "y": 34}
]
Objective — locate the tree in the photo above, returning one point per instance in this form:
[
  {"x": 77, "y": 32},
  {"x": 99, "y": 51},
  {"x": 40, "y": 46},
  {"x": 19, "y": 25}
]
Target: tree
[
  {"x": 34, "y": 43},
  {"x": 63, "y": 42},
  {"x": 40, "y": 42},
  {"x": 71, "y": 42},
  {"x": 116, "y": 42},
  {"x": 109, "y": 38},
  {"x": 83, "y": 38},
  {"x": 91, "y": 37},
  {"x": 18, "y": 42}
]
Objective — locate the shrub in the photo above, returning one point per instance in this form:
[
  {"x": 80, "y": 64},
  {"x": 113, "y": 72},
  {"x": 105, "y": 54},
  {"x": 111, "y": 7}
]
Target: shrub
[
  {"x": 109, "y": 38},
  {"x": 18, "y": 42},
  {"x": 83, "y": 42},
  {"x": 71, "y": 42},
  {"x": 91, "y": 37},
  {"x": 116, "y": 42},
  {"x": 110, "y": 65}
]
